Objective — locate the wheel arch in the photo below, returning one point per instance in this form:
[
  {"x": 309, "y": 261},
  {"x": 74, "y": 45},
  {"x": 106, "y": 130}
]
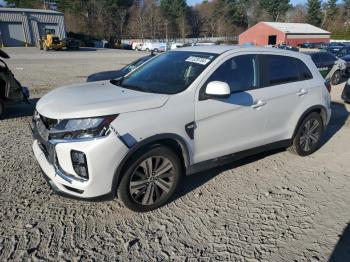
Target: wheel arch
[
  {"x": 172, "y": 141},
  {"x": 318, "y": 109}
]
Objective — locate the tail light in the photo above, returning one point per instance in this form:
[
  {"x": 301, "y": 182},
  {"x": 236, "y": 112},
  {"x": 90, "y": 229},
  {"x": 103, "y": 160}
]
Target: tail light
[{"x": 328, "y": 86}]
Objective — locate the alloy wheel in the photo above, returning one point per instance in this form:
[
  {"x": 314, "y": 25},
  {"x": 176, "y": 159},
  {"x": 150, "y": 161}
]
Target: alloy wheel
[
  {"x": 152, "y": 180},
  {"x": 310, "y": 134}
]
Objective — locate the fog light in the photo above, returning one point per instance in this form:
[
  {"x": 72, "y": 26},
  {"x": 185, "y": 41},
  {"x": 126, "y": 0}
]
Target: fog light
[{"x": 79, "y": 164}]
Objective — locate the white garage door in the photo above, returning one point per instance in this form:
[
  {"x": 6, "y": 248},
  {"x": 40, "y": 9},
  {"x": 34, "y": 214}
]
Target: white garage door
[{"x": 12, "y": 34}]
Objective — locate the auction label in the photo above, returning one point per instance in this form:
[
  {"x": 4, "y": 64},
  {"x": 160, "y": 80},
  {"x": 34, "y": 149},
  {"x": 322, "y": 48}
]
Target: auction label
[{"x": 198, "y": 60}]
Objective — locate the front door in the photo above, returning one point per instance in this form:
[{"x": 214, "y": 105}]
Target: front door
[{"x": 226, "y": 126}]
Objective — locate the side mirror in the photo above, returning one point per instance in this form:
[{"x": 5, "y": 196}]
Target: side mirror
[{"x": 217, "y": 89}]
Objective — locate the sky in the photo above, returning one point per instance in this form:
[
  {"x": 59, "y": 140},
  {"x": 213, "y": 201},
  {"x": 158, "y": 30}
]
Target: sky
[{"x": 294, "y": 2}]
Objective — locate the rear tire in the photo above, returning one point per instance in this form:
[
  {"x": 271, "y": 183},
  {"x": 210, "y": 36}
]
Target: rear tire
[
  {"x": 336, "y": 78},
  {"x": 150, "y": 179},
  {"x": 308, "y": 136}
]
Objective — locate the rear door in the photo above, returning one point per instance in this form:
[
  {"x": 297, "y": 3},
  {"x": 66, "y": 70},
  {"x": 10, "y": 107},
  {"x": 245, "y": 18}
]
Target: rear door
[{"x": 285, "y": 79}]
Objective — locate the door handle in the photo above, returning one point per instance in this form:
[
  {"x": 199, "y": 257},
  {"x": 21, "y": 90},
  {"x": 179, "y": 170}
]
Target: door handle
[
  {"x": 302, "y": 92},
  {"x": 259, "y": 104}
]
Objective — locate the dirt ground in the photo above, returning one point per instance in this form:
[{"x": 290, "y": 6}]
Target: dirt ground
[{"x": 270, "y": 207}]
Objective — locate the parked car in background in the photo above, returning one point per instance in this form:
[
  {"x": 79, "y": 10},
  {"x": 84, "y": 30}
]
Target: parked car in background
[
  {"x": 307, "y": 45},
  {"x": 316, "y": 45},
  {"x": 71, "y": 43},
  {"x": 176, "y": 45},
  {"x": 343, "y": 52},
  {"x": 185, "y": 111},
  {"x": 108, "y": 75},
  {"x": 122, "y": 46},
  {"x": 155, "y": 47},
  {"x": 346, "y": 92},
  {"x": 334, "y": 47},
  {"x": 325, "y": 61},
  {"x": 288, "y": 47},
  {"x": 347, "y": 61},
  {"x": 11, "y": 91},
  {"x": 136, "y": 46}
]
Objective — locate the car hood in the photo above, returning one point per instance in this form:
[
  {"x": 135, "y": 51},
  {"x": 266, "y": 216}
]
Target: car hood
[
  {"x": 107, "y": 75},
  {"x": 346, "y": 58},
  {"x": 96, "y": 99}
]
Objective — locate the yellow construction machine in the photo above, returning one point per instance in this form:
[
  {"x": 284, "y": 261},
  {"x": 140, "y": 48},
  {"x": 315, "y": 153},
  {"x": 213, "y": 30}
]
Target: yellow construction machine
[{"x": 50, "y": 41}]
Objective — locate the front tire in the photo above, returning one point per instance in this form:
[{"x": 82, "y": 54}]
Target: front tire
[
  {"x": 308, "y": 136},
  {"x": 150, "y": 179},
  {"x": 2, "y": 109}
]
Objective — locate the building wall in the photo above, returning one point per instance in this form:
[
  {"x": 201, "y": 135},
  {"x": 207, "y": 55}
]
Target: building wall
[
  {"x": 259, "y": 35},
  {"x": 295, "y": 41},
  {"x": 31, "y": 21}
]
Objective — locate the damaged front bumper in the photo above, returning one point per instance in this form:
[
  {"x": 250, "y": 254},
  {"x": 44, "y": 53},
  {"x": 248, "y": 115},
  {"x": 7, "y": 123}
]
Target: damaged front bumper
[{"x": 54, "y": 157}]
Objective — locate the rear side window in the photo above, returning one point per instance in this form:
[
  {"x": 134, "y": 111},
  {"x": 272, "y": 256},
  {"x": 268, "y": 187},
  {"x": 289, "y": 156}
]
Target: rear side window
[
  {"x": 281, "y": 70},
  {"x": 239, "y": 72},
  {"x": 304, "y": 71}
]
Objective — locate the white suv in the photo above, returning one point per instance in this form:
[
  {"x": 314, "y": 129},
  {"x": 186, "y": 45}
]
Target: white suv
[{"x": 181, "y": 112}]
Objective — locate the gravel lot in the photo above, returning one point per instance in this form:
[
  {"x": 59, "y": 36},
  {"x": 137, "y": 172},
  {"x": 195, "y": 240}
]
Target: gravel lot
[{"x": 271, "y": 207}]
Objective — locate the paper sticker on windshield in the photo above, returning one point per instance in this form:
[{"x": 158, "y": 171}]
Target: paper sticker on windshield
[{"x": 198, "y": 60}]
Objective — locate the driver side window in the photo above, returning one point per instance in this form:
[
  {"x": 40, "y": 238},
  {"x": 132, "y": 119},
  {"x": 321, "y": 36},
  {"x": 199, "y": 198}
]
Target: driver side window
[{"x": 239, "y": 72}]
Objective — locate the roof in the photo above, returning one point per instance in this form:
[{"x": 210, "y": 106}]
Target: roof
[
  {"x": 213, "y": 49},
  {"x": 220, "y": 49},
  {"x": 27, "y": 10},
  {"x": 296, "y": 28}
]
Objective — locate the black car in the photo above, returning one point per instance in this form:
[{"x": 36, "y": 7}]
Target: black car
[
  {"x": 325, "y": 61},
  {"x": 308, "y": 45},
  {"x": 287, "y": 47},
  {"x": 334, "y": 48},
  {"x": 343, "y": 52},
  {"x": 347, "y": 60},
  {"x": 346, "y": 93},
  {"x": 108, "y": 75},
  {"x": 11, "y": 91},
  {"x": 71, "y": 43}
]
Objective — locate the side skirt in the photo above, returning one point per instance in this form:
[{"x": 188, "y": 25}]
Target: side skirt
[{"x": 219, "y": 161}]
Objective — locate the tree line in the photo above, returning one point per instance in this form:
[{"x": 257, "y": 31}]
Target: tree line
[{"x": 167, "y": 19}]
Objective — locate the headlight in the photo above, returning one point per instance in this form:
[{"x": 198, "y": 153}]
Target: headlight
[{"x": 81, "y": 128}]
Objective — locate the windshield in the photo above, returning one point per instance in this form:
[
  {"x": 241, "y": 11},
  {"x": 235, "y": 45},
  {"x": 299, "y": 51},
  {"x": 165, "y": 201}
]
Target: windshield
[{"x": 169, "y": 73}]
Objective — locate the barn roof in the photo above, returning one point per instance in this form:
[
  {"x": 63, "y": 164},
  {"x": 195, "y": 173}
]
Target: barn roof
[
  {"x": 296, "y": 28},
  {"x": 27, "y": 10}
]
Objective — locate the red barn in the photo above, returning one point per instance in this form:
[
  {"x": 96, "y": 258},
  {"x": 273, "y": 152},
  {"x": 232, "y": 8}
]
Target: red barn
[{"x": 293, "y": 34}]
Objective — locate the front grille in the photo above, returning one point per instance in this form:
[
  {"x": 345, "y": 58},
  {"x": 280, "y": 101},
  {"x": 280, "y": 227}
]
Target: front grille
[
  {"x": 48, "y": 122},
  {"x": 41, "y": 126}
]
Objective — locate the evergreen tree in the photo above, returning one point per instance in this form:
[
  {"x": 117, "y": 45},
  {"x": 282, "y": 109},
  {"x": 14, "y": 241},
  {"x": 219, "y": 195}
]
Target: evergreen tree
[
  {"x": 275, "y": 8},
  {"x": 314, "y": 15},
  {"x": 332, "y": 9}
]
